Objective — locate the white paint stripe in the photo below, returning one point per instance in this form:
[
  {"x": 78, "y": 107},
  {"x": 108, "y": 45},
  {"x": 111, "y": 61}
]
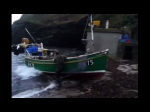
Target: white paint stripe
[{"x": 99, "y": 71}]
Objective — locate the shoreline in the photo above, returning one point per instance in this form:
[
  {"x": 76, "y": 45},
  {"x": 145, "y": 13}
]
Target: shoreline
[{"x": 114, "y": 84}]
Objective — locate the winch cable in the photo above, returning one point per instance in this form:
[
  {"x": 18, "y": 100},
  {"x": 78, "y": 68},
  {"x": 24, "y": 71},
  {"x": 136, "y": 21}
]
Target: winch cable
[
  {"x": 85, "y": 29},
  {"x": 116, "y": 60}
]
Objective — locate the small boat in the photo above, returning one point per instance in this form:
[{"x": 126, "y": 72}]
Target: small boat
[
  {"x": 93, "y": 64},
  {"x": 89, "y": 64}
]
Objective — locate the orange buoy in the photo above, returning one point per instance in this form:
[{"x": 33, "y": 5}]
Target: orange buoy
[
  {"x": 97, "y": 23},
  {"x": 26, "y": 40}
]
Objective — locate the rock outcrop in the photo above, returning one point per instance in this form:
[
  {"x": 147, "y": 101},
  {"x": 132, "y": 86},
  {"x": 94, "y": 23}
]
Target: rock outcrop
[
  {"x": 53, "y": 30},
  {"x": 65, "y": 30}
]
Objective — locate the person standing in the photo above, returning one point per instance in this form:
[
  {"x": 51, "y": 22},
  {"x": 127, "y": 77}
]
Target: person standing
[{"x": 60, "y": 65}]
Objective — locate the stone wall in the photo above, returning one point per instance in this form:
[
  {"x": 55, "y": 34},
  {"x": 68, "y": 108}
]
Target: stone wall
[{"x": 104, "y": 41}]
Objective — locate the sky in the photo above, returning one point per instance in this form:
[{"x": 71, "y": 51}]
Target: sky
[{"x": 15, "y": 17}]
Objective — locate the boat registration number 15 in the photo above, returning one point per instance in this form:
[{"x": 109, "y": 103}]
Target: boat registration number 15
[
  {"x": 31, "y": 64},
  {"x": 90, "y": 62}
]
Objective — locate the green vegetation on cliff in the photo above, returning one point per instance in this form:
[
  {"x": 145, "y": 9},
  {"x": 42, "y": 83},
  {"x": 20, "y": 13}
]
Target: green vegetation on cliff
[
  {"x": 48, "y": 19},
  {"x": 116, "y": 20}
]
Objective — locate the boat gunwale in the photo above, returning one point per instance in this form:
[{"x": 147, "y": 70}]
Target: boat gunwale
[
  {"x": 77, "y": 61},
  {"x": 80, "y": 56}
]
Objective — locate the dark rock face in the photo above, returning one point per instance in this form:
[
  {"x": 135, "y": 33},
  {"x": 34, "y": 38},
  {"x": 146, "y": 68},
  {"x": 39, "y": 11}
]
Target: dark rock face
[
  {"x": 66, "y": 30},
  {"x": 68, "y": 34}
]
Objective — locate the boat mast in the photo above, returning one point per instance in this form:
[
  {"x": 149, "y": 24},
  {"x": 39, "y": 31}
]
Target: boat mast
[
  {"x": 31, "y": 36},
  {"x": 92, "y": 29},
  {"x": 92, "y": 35},
  {"x": 90, "y": 23}
]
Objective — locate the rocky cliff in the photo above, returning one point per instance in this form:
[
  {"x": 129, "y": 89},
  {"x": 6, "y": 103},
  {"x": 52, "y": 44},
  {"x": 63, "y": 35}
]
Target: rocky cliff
[{"x": 63, "y": 30}]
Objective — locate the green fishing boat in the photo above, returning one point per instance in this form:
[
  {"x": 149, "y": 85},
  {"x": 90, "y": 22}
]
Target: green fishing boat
[
  {"x": 88, "y": 64},
  {"x": 91, "y": 64}
]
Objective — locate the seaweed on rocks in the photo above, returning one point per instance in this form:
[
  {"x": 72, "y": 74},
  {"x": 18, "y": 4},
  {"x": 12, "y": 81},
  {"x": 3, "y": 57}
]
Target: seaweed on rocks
[{"x": 122, "y": 85}]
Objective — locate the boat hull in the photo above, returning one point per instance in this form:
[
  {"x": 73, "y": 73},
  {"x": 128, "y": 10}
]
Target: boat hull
[{"x": 85, "y": 65}]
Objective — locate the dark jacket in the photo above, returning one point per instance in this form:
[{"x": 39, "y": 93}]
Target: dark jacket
[{"x": 59, "y": 60}]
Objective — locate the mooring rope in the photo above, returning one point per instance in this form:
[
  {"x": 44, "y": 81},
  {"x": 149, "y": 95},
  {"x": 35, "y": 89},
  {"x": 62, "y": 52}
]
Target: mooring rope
[
  {"x": 116, "y": 60},
  {"x": 85, "y": 29}
]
